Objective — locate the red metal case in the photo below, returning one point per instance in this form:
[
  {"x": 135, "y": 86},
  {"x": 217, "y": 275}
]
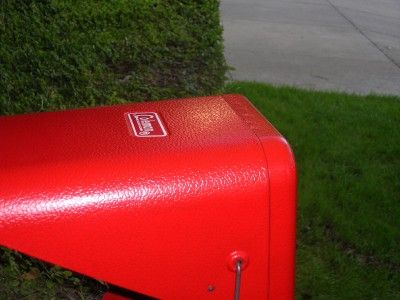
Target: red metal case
[{"x": 154, "y": 197}]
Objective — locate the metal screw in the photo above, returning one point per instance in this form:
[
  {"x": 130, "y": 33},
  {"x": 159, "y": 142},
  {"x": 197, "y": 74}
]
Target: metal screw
[{"x": 211, "y": 288}]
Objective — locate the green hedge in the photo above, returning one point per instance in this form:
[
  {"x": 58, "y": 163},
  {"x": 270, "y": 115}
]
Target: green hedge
[{"x": 57, "y": 54}]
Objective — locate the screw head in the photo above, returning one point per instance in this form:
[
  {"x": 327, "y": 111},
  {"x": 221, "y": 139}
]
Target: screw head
[{"x": 235, "y": 257}]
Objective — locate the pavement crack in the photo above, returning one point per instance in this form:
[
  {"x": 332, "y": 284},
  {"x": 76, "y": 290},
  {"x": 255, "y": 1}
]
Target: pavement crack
[{"x": 393, "y": 61}]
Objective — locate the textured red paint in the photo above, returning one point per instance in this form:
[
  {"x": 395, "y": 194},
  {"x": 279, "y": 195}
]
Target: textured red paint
[{"x": 159, "y": 216}]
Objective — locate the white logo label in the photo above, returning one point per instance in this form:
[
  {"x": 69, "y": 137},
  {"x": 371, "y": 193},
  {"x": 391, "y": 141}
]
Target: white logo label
[{"x": 147, "y": 124}]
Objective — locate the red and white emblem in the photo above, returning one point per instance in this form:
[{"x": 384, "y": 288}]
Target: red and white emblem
[{"x": 147, "y": 124}]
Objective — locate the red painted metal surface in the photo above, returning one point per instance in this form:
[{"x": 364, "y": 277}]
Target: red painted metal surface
[{"x": 161, "y": 215}]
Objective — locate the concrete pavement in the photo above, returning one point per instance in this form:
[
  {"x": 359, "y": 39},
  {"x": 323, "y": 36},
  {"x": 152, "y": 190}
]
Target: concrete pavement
[{"x": 345, "y": 45}]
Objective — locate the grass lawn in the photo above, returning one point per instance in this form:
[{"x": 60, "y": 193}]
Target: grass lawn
[{"x": 347, "y": 149}]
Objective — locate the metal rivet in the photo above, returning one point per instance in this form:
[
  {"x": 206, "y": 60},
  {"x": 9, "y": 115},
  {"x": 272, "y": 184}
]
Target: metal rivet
[{"x": 211, "y": 288}]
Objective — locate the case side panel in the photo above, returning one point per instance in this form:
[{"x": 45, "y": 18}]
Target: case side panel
[{"x": 283, "y": 186}]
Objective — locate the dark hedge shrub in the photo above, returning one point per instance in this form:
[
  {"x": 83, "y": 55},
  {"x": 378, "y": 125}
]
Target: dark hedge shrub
[{"x": 57, "y": 54}]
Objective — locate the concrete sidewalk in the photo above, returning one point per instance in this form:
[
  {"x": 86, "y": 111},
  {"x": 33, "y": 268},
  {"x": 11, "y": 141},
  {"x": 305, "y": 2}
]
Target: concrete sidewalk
[{"x": 345, "y": 45}]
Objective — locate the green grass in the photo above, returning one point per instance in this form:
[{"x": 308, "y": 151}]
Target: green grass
[
  {"x": 24, "y": 278},
  {"x": 347, "y": 150}
]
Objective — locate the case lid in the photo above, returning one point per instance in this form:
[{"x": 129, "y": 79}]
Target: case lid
[{"x": 142, "y": 195}]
